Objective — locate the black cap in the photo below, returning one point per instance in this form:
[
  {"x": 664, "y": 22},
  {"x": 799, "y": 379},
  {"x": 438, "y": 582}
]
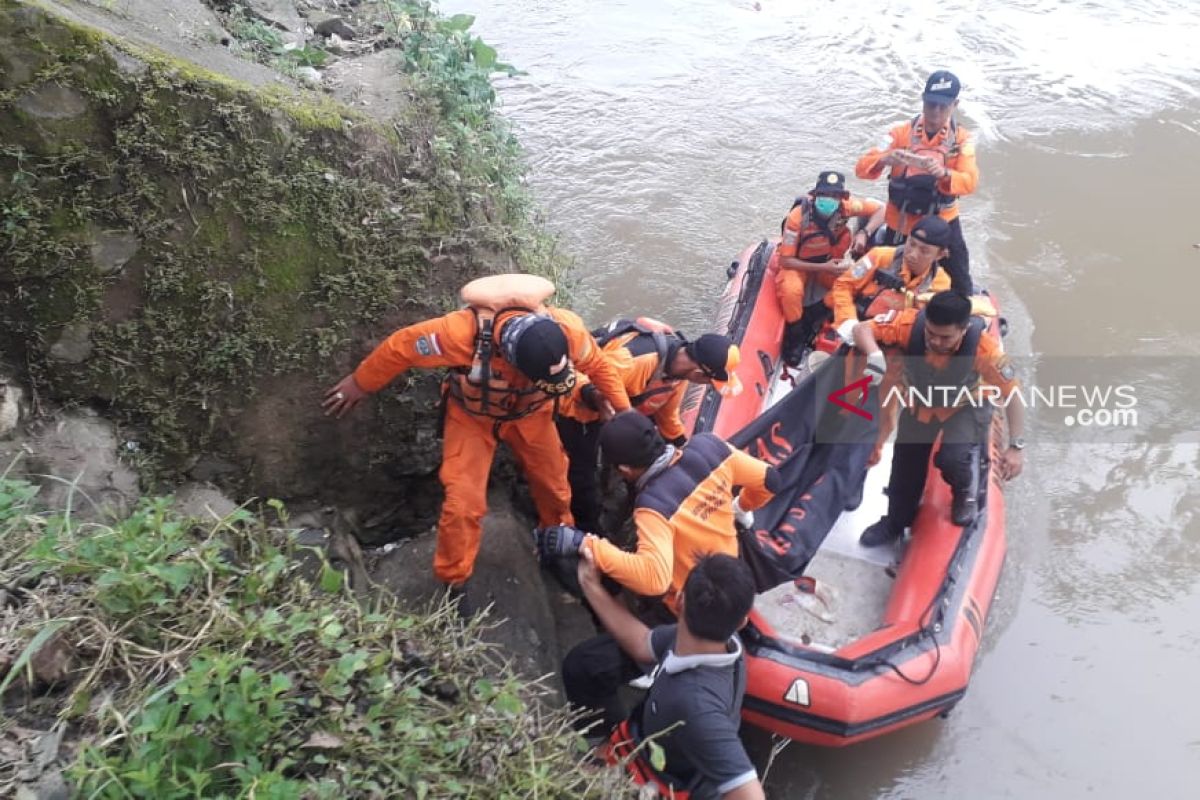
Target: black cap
[
  {"x": 631, "y": 440},
  {"x": 831, "y": 183},
  {"x": 718, "y": 357},
  {"x": 932, "y": 230},
  {"x": 941, "y": 88},
  {"x": 537, "y": 346}
]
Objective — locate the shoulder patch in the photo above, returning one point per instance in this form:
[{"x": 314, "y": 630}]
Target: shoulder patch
[
  {"x": 967, "y": 148},
  {"x": 789, "y": 236},
  {"x": 861, "y": 268},
  {"x": 885, "y": 318},
  {"x": 429, "y": 345},
  {"x": 1006, "y": 370}
]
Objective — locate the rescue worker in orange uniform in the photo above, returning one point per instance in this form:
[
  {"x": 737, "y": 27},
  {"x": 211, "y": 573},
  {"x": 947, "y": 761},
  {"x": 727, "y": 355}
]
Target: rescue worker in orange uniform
[
  {"x": 686, "y": 507},
  {"x": 815, "y": 239},
  {"x": 932, "y": 163},
  {"x": 894, "y": 276},
  {"x": 656, "y": 364},
  {"x": 944, "y": 357},
  {"x": 510, "y": 357}
]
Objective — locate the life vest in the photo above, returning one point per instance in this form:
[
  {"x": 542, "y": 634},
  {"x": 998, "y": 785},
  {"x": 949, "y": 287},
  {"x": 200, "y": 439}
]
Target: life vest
[
  {"x": 922, "y": 377},
  {"x": 893, "y": 294},
  {"x": 817, "y": 240},
  {"x": 642, "y": 336},
  {"x": 622, "y": 749},
  {"x": 495, "y": 300},
  {"x": 914, "y": 191}
]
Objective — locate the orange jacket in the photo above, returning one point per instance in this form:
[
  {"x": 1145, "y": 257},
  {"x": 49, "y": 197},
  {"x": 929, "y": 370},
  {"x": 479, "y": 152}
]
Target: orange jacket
[
  {"x": 449, "y": 341},
  {"x": 650, "y": 393},
  {"x": 860, "y": 281},
  {"x": 892, "y": 332},
  {"x": 684, "y": 512},
  {"x": 961, "y": 178},
  {"x": 805, "y": 240}
]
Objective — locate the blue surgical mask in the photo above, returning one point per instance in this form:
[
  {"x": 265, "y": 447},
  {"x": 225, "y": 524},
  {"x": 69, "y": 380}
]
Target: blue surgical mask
[{"x": 826, "y": 206}]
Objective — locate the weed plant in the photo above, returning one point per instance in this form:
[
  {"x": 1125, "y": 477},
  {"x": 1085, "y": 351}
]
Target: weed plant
[{"x": 207, "y": 664}]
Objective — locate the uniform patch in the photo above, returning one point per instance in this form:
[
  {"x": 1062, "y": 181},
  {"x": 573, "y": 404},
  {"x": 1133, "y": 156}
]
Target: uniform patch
[
  {"x": 429, "y": 345},
  {"x": 883, "y": 319},
  {"x": 861, "y": 268},
  {"x": 789, "y": 237},
  {"x": 967, "y": 148},
  {"x": 1007, "y": 372}
]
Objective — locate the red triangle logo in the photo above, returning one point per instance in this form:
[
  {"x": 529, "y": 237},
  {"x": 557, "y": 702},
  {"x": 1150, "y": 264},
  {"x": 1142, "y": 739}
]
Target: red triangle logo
[{"x": 864, "y": 384}]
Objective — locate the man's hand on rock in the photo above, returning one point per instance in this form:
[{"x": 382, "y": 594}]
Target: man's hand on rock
[{"x": 342, "y": 397}]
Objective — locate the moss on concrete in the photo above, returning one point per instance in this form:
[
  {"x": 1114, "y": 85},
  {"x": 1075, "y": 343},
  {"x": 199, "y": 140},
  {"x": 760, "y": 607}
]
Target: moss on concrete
[{"x": 275, "y": 230}]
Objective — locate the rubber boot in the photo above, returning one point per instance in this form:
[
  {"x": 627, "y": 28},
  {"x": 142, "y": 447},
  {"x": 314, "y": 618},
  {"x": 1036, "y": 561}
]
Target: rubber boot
[
  {"x": 879, "y": 534},
  {"x": 965, "y": 505},
  {"x": 792, "y": 350}
]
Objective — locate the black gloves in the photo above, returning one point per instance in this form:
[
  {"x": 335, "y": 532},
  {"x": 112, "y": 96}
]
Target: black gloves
[
  {"x": 557, "y": 541},
  {"x": 590, "y": 396}
]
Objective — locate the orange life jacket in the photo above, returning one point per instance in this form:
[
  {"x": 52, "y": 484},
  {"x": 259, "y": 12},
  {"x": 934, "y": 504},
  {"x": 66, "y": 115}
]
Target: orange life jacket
[
  {"x": 641, "y": 336},
  {"x": 913, "y": 190},
  {"x": 892, "y": 294},
  {"x": 817, "y": 240},
  {"x": 482, "y": 389},
  {"x": 622, "y": 748}
]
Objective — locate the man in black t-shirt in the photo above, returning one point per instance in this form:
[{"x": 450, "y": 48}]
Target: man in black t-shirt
[{"x": 693, "y": 708}]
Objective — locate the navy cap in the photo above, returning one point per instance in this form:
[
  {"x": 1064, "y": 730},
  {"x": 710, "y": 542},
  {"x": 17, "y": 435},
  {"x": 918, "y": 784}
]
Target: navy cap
[
  {"x": 941, "y": 88},
  {"x": 537, "y": 346},
  {"x": 932, "y": 230},
  {"x": 631, "y": 439},
  {"x": 831, "y": 183}
]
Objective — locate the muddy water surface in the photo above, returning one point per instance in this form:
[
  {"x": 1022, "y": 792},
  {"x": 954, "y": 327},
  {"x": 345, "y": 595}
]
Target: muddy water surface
[{"x": 665, "y": 136}]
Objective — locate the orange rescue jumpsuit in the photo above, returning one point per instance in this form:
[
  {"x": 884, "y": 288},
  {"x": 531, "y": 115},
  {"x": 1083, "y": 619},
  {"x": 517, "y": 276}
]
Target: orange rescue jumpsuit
[
  {"x": 958, "y": 157},
  {"x": 470, "y": 438},
  {"x": 650, "y": 391},
  {"x": 860, "y": 281},
  {"x": 680, "y": 517},
  {"x": 805, "y": 240}
]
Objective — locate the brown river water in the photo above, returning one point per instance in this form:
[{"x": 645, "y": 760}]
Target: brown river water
[{"x": 664, "y": 136}]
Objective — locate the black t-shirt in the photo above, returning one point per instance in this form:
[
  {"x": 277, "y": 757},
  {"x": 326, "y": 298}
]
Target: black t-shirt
[{"x": 701, "y": 696}]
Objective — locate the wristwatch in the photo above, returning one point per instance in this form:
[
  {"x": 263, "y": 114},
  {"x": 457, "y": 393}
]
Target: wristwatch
[{"x": 1017, "y": 443}]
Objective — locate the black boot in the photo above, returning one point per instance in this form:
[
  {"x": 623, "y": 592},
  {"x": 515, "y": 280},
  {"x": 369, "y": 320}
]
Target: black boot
[
  {"x": 879, "y": 534},
  {"x": 964, "y": 508},
  {"x": 457, "y": 597},
  {"x": 856, "y": 497},
  {"x": 794, "y": 337}
]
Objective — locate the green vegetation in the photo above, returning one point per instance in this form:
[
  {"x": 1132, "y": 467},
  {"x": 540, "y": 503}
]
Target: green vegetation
[
  {"x": 272, "y": 227},
  {"x": 207, "y": 663},
  {"x": 265, "y": 44}
]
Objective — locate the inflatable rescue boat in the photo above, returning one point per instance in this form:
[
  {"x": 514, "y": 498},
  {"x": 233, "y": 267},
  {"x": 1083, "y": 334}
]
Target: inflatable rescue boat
[{"x": 845, "y": 643}]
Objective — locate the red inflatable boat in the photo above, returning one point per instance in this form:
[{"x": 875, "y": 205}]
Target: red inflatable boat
[{"x": 847, "y": 643}]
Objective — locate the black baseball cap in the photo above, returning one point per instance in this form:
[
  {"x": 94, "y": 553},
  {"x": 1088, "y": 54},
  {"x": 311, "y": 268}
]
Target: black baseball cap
[
  {"x": 537, "y": 346},
  {"x": 631, "y": 439},
  {"x": 941, "y": 88},
  {"x": 718, "y": 357},
  {"x": 831, "y": 183},
  {"x": 932, "y": 230}
]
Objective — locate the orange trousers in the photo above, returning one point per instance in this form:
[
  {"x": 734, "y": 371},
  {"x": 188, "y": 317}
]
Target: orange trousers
[
  {"x": 468, "y": 446},
  {"x": 789, "y": 287}
]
